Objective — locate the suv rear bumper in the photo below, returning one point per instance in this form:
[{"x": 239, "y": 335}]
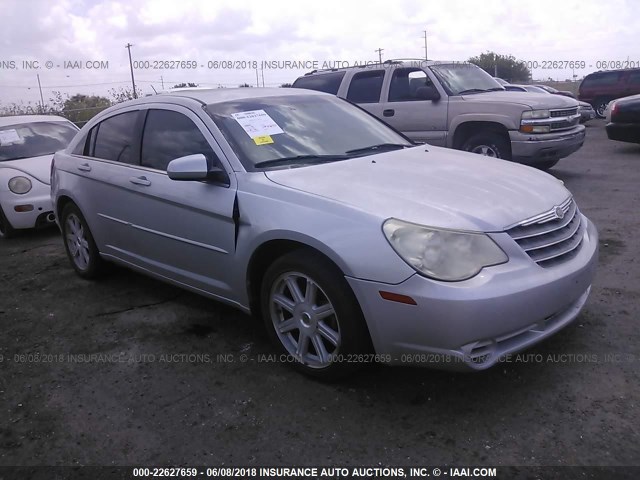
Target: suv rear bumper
[{"x": 530, "y": 149}]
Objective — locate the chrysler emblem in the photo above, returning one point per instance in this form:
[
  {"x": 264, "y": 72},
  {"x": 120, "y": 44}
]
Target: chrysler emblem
[{"x": 559, "y": 213}]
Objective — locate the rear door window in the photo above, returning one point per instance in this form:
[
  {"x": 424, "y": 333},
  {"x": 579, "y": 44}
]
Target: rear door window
[
  {"x": 116, "y": 139},
  {"x": 366, "y": 87},
  {"x": 634, "y": 78},
  {"x": 601, "y": 79}
]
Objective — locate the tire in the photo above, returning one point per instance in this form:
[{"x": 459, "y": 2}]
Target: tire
[
  {"x": 79, "y": 244},
  {"x": 600, "y": 106},
  {"x": 6, "y": 230},
  {"x": 547, "y": 164},
  {"x": 304, "y": 296},
  {"x": 489, "y": 144}
]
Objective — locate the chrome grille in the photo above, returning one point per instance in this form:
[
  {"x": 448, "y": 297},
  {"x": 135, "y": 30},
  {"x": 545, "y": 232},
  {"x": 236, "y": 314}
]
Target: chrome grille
[
  {"x": 548, "y": 239},
  {"x": 564, "y": 124},
  {"x": 564, "y": 113}
]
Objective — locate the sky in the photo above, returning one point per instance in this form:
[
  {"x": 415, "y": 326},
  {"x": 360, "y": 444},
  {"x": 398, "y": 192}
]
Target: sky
[{"x": 52, "y": 38}]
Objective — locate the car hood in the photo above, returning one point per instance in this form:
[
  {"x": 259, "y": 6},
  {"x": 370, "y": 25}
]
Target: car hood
[
  {"x": 432, "y": 186},
  {"x": 533, "y": 100},
  {"x": 37, "y": 167}
]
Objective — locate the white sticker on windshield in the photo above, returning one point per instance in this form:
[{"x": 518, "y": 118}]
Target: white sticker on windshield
[
  {"x": 257, "y": 123},
  {"x": 9, "y": 136}
]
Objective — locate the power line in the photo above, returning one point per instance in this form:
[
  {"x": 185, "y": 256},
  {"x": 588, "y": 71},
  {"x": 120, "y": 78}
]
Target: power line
[{"x": 69, "y": 86}]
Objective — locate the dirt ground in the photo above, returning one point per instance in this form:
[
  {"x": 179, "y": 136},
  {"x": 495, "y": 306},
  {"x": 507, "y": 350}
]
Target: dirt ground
[{"x": 129, "y": 370}]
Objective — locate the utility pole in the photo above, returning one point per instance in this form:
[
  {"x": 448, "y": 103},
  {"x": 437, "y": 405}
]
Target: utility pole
[
  {"x": 162, "y": 81},
  {"x": 426, "y": 56},
  {"x": 380, "y": 50},
  {"x": 257, "y": 81},
  {"x": 133, "y": 82},
  {"x": 262, "y": 73},
  {"x": 41, "y": 99}
]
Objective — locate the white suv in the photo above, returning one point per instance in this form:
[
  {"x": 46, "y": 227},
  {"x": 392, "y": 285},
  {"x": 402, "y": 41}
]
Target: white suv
[{"x": 459, "y": 105}]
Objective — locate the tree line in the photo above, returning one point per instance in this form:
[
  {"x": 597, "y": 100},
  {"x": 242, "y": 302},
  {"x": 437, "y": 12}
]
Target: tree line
[{"x": 81, "y": 108}]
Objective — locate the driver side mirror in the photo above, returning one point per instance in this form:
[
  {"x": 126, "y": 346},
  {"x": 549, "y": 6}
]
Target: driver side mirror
[
  {"x": 195, "y": 167},
  {"x": 428, "y": 92}
]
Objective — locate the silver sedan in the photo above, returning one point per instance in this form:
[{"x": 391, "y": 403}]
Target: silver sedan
[{"x": 351, "y": 243}]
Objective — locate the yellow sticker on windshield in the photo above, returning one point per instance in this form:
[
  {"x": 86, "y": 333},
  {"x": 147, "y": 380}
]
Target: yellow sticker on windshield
[{"x": 263, "y": 140}]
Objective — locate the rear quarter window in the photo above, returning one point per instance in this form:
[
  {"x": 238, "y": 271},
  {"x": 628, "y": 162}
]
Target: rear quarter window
[
  {"x": 366, "y": 87},
  {"x": 324, "y": 82}
]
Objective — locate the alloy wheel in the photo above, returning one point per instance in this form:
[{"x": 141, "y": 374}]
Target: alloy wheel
[
  {"x": 77, "y": 241},
  {"x": 485, "y": 150},
  {"x": 304, "y": 319}
]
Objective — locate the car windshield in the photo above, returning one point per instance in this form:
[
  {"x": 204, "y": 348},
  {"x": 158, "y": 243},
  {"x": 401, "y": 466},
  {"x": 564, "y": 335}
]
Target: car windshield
[
  {"x": 465, "y": 78},
  {"x": 26, "y": 140},
  {"x": 296, "y": 130}
]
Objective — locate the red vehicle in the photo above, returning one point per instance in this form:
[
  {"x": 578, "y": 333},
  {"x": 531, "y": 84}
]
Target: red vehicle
[{"x": 600, "y": 88}]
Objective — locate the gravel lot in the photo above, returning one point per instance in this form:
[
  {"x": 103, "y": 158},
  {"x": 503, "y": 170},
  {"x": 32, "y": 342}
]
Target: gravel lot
[{"x": 173, "y": 400}]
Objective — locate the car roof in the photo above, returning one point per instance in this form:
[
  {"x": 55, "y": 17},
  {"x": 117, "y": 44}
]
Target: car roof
[
  {"x": 218, "y": 95},
  {"x": 22, "y": 119},
  {"x": 401, "y": 63}
]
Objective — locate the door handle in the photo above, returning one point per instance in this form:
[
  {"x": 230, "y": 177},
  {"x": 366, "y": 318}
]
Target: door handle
[
  {"x": 389, "y": 112},
  {"x": 85, "y": 167},
  {"x": 140, "y": 181}
]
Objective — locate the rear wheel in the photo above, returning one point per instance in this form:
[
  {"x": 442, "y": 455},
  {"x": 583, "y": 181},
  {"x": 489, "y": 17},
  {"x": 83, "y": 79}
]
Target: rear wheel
[
  {"x": 79, "y": 244},
  {"x": 489, "y": 144},
  {"x": 6, "y": 230},
  {"x": 600, "y": 106},
  {"x": 312, "y": 315}
]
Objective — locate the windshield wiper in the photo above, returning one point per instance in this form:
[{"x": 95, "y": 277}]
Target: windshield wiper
[
  {"x": 301, "y": 159},
  {"x": 472, "y": 90},
  {"x": 381, "y": 146}
]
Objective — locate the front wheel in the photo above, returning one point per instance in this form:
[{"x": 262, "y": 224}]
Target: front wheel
[
  {"x": 6, "y": 230},
  {"x": 546, "y": 164},
  {"x": 79, "y": 244},
  {"x": 488, "y": 144},
  {"x": 311, "y": 313}
]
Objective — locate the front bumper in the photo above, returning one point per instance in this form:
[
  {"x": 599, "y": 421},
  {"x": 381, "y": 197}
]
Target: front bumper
[
  {"x": 586, "y": 115},
  {"x": 38, "y": 199},
  {"x": 530, "y": 149},
  {"x": 624, "y": 132},
  {"x": 470, "y": 325}
]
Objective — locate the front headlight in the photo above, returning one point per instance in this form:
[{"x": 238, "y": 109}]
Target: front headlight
[
  {"x": 20, "y": 185},
  {"x": 532, "y": 114},
  {"x": 442, "y": 254}
]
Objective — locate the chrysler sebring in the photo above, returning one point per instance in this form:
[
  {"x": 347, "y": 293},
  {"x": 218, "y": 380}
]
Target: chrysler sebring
[{"x": 351, "y": 243}]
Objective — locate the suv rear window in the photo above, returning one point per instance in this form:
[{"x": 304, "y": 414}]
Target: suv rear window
[
  {"x": 324, "y": 82},
  {"x": 599, "y": 79},
  {"x": 366, "y": 87}
]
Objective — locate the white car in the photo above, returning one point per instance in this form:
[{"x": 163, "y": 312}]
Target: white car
[{"x": 27, "y": 145}]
